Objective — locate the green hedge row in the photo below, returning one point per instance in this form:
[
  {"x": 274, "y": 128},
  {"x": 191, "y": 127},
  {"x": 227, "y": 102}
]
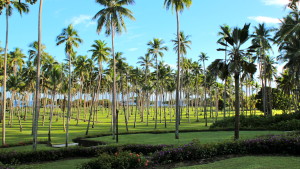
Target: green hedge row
[
  {"x": 278, "y": 122},
  {"x": 52, "y": 155},
  {"x": 276, "y": 144}
]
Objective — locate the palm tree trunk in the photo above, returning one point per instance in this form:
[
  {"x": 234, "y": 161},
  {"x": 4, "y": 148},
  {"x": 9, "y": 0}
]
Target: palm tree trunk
[
  {"x": 114, "y": 81},
  {"x": 178, "y": 79},
  {"x": 237, "y": 106},
  {"x": 156, "y": 94},
  {"x": 69, "y": 101},
  {"x": 37, "y": 89},
  {"x": 51, "y": 116}
]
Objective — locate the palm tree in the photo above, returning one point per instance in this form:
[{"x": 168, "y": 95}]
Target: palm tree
[
  {"x": 146, "y": 63},
  {"x": 156, "y": 49},
  {"x": 55, "y": 78},
  {"x": 225, "y": 29},
  {"x": 22, "y": 8},
  {"x": 262, "y": 38},
  {"x": 236, "y": 39},
  {"x": 100, "y": 54},
  {"x": 70, "y": 37},
  {"x": 202, "y": 58},
  {"x": 112, "y": 18},
  {"x": 178, "y": 6}
]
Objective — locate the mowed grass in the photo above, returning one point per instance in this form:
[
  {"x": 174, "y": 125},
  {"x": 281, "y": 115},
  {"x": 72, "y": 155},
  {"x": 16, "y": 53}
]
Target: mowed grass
[
  {"x": 169, "y": 138},
  {"x": 61, "y": 164},
  {"x": 252, "y": 162},
  {"x": 247, "y": 162},
  {"x": 103, "y": 124}
]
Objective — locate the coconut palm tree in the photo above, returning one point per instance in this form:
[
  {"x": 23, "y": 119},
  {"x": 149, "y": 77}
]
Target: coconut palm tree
[
  {"x": 112, "y": 18},
  {"x": 70, "y": 37},
  {"x": 262, "y": 38},
  {"x": 202, "y": 58},
  {"x": 54, "y": 81},
  {"x": 236, "y": 40},
  {"x": 9, "y": 6},
  {"x": 146, "y": 62},
  {"x": 178, "y": 6},
  {"x": 100, "y": 54},
  {"x": 156, "y": 49},
  {"x": 225, "y": 29}
]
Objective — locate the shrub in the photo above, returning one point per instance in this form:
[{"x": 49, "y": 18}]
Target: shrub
[
  {"x": 122, "y": 160},
  {"x": 276, "y": 144},
  {"x": 277, "y": 122}
]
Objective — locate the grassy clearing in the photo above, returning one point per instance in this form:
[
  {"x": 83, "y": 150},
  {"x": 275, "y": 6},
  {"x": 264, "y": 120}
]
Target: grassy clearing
[
  {"x": 103, "y": 118},
  {"x": 169, "y": 138},
  {"x": 252, "y": 162}
]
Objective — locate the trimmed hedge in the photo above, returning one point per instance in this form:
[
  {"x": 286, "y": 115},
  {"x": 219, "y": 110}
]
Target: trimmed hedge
[
  {"x": 122, "y": 160},
  {"x": 52, "y": 155},
  {"x": 278, "y": 122},
  {"x": 276, "y": 144}
]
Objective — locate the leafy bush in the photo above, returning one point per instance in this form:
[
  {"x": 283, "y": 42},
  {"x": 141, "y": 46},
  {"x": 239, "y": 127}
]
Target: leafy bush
[
  {"x": 276, "y": 144},
  {"x": 122, "y": 160},
  {"x": 52, "y": 155},
  {"x": 277, "y": 122}
]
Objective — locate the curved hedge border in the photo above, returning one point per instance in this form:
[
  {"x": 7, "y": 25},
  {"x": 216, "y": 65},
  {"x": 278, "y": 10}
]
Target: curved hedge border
[
  {"x": 52, "y": 155},
  {"x": 277, "y": 144}
]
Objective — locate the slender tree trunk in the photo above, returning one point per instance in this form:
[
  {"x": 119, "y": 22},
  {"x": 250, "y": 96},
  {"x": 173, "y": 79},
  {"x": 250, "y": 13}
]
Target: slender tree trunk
[
  {"x": 51, "y": 116},
  {"x": 114, "y": 106},
  {"x": 69, "y": 101},
  {"x": 156, "y": 94},
  {"x": 37, "y": 89},
  {"x": 178, "y": 78},
  {"x": 237, "y": 107}
]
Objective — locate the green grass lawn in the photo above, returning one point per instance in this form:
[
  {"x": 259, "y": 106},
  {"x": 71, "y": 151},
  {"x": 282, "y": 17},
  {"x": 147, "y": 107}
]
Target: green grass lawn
[
  {"x": 248, "y": 162},
  {"x": 61, "y": 164},
  {"x": 252, "y": 162},
  {"x": 169, "y": 138},
  {"x": 102, "y": 126}
]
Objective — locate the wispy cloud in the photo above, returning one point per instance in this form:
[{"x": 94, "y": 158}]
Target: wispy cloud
[
  {"x": 276, "y": 2},
  {"x": 133, "y": 49},
  {"x": 264, "y": 19},
  {"x": 82, "y": 19}
]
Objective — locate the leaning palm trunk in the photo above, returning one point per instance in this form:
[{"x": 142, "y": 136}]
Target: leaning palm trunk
[
  {"x": 37, "y": 89},
  {"x": 4, "y": 82}
]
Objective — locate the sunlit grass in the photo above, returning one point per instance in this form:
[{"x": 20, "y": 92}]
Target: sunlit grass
[
  {"x": 252, "y": 162},
  {"x": 169, "y": 138},
  {"x": 103, "y": 124}
]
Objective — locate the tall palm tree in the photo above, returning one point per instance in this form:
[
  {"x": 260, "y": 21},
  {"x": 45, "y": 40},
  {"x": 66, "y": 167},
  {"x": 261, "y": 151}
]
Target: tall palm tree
[
  {"x": 225, "y": 29},
  {"x": 262, "y": 38},
  {"x": 146, "y": 62},
  {"x": 70, "y": 37},
  {"x": 236, "y": 40},
  {"x": 22, "y": 8},
  {"x": 112, "y": 18},
  {"x": 203, "y": 57},
  {"x": 100, "y": 54},
  {"x": 178, "y": 6},
  {"x": 156, "y": 49}
]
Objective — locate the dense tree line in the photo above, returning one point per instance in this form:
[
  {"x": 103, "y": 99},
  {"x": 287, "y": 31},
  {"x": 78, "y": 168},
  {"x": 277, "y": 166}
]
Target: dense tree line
[{"x": 103, "y": 74}]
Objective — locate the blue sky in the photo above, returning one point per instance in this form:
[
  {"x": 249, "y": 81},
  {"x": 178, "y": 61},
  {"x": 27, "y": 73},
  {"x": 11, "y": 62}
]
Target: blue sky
[{"x": 201, "y": 21}]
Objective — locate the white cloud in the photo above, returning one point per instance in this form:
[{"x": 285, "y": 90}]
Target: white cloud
[
  {"x": 82, "y": 19},
  {"x": 132, "y": 49},
  {"x": 276, "y": 2},
  {"x": 264, "y": 19}
]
